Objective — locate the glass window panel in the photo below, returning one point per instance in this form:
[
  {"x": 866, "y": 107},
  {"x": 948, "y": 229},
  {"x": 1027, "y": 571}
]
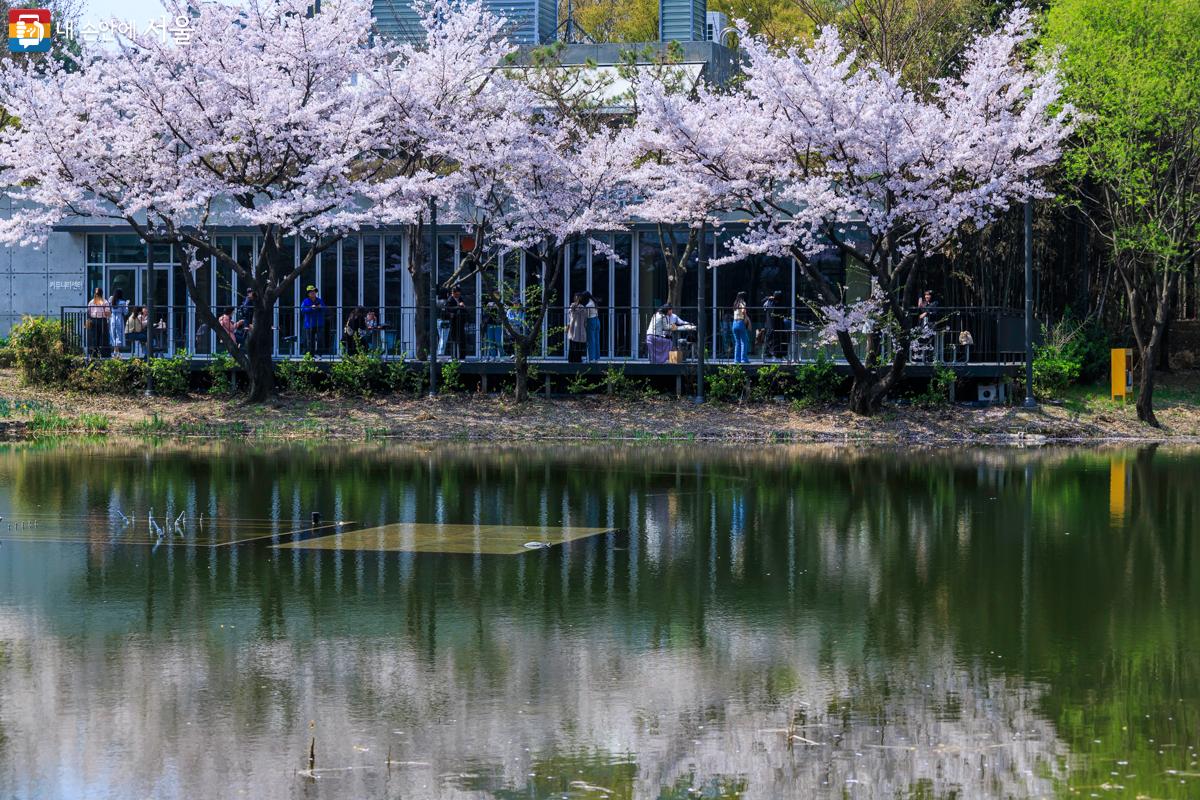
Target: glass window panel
[
  {"x": 393, "y": 270},
  {"x": 287, "y": 303},
  {"x": 350, "y": 271},
  {"x": 95, "y": 279},
  {"x": 246, "y": 255},
  {"x": 162, "y": 254},
  {"x": 577, "y": 258},
  {"x": 370, "y": 245},
  {"x": 224, "y": 274},
  {"x": 124, "y": 248},
  {"x": 95, "y": 248},
  {"x": 622, "y": 297},
  {"x": 329, "y": 277}
]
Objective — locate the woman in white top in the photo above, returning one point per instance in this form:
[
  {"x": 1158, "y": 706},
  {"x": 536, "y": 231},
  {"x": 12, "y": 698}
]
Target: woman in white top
[
  {"x": 741, "y": 330},
  {"x": 658, "y": 334},
  {"x": 98, "y": 312},
  {"x": 593, "y": 327},
  {"x": 576, "y": 330}
]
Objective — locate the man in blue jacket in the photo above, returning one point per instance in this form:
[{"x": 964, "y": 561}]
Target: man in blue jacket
[{"x": 312, "y": 320}]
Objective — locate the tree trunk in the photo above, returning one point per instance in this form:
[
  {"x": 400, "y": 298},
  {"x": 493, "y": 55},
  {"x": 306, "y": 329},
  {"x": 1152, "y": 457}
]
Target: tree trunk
[
  {"x": 1145, "y": 398},
  {"x": 261, "y": 365},
  {"x": 521, "y": 369},
  {"x": 865, "y": 395}
]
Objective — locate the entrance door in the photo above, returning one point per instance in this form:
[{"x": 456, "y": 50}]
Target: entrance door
[{"x": 125, "y": 279}]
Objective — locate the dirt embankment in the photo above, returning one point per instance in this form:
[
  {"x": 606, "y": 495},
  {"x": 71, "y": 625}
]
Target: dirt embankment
[{"x": 28, "y": 411}]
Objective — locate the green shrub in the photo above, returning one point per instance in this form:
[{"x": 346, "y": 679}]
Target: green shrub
[
  {"x": 937, "y": 393},
  {"x": 407, "y": 379},
  {"x": 93, "y": 423},
  {"x": 1090, "y": 345},
  {"x": 171, "y": 374},
  {"x": 301, "y": 376},
  {"x": 771, "y": 382},
  {"x": 729, "y": 384},
  {"x": 7, "y": 356},
  {"x": 817, "y": 384},
  {"x": 220, "y": 369},
  {"x": 621, "y": 385},
  {"x": 452, "y": 376},
  {"x": 580, "y": 384},
  {"x": 1053, "y": 371},
  {"x": 39, "y": 349},
  {"x": 360, "y": 375},
  {"x": 110, "y": 376},
  {"x": 49, "y": 422}
]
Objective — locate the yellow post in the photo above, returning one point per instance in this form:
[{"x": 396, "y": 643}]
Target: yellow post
[
  {"x": 1122, "y": 372},
  {"x": 1116, "y": 488}
]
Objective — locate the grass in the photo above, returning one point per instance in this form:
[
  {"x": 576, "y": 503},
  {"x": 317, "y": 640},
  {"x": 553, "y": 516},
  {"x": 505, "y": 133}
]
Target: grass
[{"x": 153, "y": 425}]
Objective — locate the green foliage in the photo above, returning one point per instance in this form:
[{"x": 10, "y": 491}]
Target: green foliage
[
  {"x": 1053, "y": 372},
  {"x": 407, "y": 379},
  {"x": 39, "y": 349},
  {"x": 220, "y": 371},
  {"x": 1090, "y": 344},
  {"x": 360, "y": 375},
  {"x": 93, "y": 423},
  {"x": 817, "y": 383},
  {"x": 771, "y": 382},
  {"x": 580, "y": 384},
  {"x": 49, "y": 423},
  {"x": 621, "y": 385},
  {"x": 110, "y": 376},
  {"x": 1069, "y": 350},
  {"x": 10, "y": 407},
  {"x": 301, "y": 376},
  {"x": 729, "y": 384},
  {"x": 171, "y": 374},
  {"x": 1132, "y": 67},
  {"x": 154, "y": 425},
  {"x": 7, "y": 356},
  {"x": 452, "y": 377},
  {"x": 937, "y": 393}
]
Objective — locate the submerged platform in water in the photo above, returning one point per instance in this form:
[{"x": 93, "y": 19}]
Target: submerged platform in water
[{"x": 421, "y": 537}]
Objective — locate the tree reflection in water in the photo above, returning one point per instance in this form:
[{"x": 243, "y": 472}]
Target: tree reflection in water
[{"x": 766, "y": 622}]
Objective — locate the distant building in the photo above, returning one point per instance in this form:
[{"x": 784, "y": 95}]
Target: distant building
[{"x": 533, "y": 22}]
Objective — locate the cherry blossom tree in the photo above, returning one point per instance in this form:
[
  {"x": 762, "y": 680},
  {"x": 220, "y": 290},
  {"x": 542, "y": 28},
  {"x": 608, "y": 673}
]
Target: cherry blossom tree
[
  {"x": 269, "y": 117},
  {"x": 535, "y": 182},
  {"x": 535, "y": 179},
  {"x": 820, "y": 148}
]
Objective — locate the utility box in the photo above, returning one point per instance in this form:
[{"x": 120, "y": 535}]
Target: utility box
[{"x": 1122, "y": 372}]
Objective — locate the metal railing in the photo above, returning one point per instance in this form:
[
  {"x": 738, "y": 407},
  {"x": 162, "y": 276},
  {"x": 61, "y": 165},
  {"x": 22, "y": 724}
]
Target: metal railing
[{"x": 956, "y": 335}]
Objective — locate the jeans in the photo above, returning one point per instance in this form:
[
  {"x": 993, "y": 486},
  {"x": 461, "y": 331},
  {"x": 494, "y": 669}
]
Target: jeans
[
  {"x": 741, "y": 342},
  {"x": 593, "y": 339},
  {"x": 312, "y": 340},
  {"x": 493, "y": 345}
]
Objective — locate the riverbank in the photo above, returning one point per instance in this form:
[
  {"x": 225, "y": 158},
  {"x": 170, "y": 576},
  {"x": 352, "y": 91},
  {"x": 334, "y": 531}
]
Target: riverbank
[{"x": 1085, "y": 415}]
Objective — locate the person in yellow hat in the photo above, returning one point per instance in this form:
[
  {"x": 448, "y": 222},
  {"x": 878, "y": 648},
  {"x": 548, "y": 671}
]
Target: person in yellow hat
[{"x": 312, "y": 320}]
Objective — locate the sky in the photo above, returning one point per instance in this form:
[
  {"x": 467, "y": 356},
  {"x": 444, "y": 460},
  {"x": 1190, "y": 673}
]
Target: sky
[{"x": 136, "y": 11}]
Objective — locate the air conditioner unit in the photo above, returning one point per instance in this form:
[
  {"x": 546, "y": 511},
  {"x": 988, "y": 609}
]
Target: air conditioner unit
[{"x": 990, "y": 392}]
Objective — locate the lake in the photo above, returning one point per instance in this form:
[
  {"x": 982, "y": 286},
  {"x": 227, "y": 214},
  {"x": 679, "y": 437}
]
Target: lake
[{"x": 636, "y": 621}]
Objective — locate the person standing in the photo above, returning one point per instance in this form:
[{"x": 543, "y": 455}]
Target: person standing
[
  {"x": 354, "y": 332},
  {"x": 456, "y": 315},
  {"x": 593, "y": 327},
  {"x": 741, "y": 330},
  {"x": 312, "y": 318},
  {"x": 493, "y": 327},
  {"x": 99, "y": 311},
  {"x": 577, "y": 337},
  {"x": 116, "y": 323}
]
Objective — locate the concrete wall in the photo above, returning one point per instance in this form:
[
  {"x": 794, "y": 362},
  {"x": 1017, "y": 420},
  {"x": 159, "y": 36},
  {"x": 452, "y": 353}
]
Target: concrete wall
[{"x": 40, "y": 280}]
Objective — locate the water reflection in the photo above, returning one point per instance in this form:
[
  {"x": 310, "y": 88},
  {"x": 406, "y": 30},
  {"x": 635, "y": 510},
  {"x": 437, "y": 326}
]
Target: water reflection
[{"x": 761, "y": 623}]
